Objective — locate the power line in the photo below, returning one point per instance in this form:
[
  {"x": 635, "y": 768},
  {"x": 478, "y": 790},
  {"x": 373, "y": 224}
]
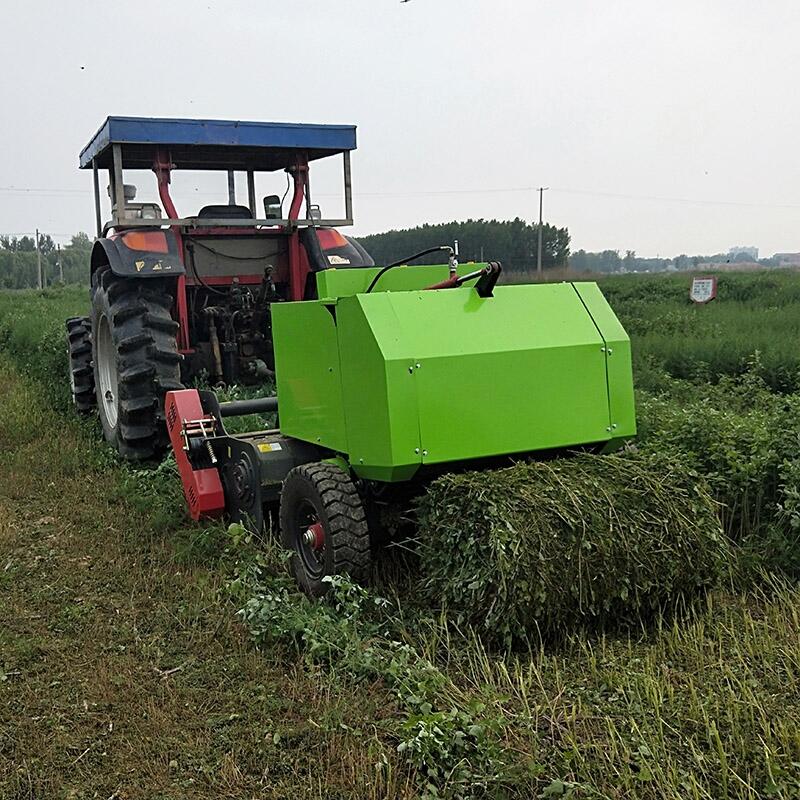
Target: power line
[
  {"x": 33, "y": 233},
  {"x": 443, "y": 192},
  {"x": 587, "y": 192},
  {"x": 686, "y": 200},
  {"x": 31, "y": 190}
]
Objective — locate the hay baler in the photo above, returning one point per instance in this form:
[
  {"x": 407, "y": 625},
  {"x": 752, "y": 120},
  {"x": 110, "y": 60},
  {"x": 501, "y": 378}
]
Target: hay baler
[{"x": 390, "y": 377}]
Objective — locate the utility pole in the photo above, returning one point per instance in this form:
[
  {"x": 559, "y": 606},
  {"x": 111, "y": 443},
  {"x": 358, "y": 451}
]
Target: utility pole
[
  {"x": 39, "y": 280},
  {"x": 231, "y": 189},
  {"x": 60, "y": 265},
  {"x": 542, "y": 190}
]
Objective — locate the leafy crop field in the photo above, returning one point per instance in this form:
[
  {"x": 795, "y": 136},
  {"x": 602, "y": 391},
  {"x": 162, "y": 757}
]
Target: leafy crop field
[{"x": 143, "y": 657}]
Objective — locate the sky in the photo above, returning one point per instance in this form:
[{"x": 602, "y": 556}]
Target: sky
[{"x": 663, "y": 128}]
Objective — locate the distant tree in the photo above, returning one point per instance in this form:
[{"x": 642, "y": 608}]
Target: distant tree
[
  {"x": 81, "y": 241},
  {"x": 18, "y": 262},
  {"x": 629, "y": 262},
  {"x": 579, "y": 261},
  {"x": 75, "y": 258},
  {"x": 14, "y": 245},
  {"x": 512, "y": 242},
  {"x": 46, "y": 244}
]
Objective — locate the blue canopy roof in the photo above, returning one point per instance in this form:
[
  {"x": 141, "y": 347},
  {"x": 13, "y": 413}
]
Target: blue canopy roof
[{"x": 215, "y": 144}]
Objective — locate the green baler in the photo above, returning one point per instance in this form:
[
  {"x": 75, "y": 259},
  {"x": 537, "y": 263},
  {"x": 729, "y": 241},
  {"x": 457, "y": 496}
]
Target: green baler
[{"x": 384, "y": 382}]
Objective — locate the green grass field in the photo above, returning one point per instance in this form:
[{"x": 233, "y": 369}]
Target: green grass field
[{"x": 144, "y": 657}]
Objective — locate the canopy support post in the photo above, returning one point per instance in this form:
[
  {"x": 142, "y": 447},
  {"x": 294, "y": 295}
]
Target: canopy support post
[
  {"x": 348, "y": 188},
  {"x": 119, "y": 185},
  {"x": 97, "y": 214},
  {"x": 251, "y": 192}
]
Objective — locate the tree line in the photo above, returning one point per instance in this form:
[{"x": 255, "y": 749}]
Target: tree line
[
  {"x": 512, "y": 242},
  {"x": 612, "y": 261},
  {"x": 19, "y": 264}
]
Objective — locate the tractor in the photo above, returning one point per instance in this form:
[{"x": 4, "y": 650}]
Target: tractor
[
  {"x": 175, "y": 299},
  {"x": 386, "y": 377}
]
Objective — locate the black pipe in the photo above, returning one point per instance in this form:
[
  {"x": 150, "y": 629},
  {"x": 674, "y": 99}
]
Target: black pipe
[
  {"x": 238, "y": 408},
  {"x": 405, "y": 261}
]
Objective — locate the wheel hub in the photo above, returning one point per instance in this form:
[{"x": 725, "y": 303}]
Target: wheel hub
[
  {"x": 107, "y": 372},
  {"x": 244, "y": 482},
  {"x": 314, "y": 536},
  {"x": 243, "y": 492}
]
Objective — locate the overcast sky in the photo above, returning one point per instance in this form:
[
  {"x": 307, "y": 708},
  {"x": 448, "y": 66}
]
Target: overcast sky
[{"x": 663, "y": 127}]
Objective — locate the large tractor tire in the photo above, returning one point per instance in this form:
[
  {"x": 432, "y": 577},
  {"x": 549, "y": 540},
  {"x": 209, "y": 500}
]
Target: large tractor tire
[
  {"x": 136, "y": 361},
  {"x": 324, "y": 525},
  {"x": 81, "y": 374}
]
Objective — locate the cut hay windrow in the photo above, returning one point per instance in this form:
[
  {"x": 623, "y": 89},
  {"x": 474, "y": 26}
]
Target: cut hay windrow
[{"x": 536, "y": 549}]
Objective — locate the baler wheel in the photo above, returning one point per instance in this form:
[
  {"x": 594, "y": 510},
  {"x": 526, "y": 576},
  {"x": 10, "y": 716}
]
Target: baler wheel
[
  {"x": 81, "y": 375},
  {"x": 324, "y": 524},
  {"x": 136, "y": 361}
]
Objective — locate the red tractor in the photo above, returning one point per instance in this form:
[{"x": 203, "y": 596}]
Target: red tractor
[{"x": 178, "y": 297}]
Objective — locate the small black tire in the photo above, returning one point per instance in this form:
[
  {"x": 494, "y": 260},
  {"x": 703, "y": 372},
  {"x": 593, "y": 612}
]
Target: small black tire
[
  {"x": 81, "y": 374},
  {"x": 324, "y": 494},
  {"x": 136, "y": 361}
]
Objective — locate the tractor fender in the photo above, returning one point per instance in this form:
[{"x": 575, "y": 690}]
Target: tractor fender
[{"x": 139, "y": 254}]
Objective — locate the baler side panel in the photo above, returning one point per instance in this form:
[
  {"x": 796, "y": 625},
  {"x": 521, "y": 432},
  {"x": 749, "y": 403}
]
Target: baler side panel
[
  {"x": 308, "y": 374},
  {"x": 620, "y": 377},
  {"x": 379, "y": 393},
  {"x": 522, "y": 371}
]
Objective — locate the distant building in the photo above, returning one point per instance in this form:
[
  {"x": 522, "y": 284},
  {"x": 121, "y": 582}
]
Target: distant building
[
  {"x": 750, "y": 252},
  {"x": 787, "y": 259}
]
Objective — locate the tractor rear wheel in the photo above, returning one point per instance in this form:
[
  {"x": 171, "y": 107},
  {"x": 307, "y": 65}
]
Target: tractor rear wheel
[
  {"x": 81, "y": 375},
  {"x": 324, "y": 524},
  {"x": 136, "y": 361}
]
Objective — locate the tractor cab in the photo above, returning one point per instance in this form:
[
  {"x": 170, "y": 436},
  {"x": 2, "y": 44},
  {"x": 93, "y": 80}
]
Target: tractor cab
[{"x": 223, "y": 263}]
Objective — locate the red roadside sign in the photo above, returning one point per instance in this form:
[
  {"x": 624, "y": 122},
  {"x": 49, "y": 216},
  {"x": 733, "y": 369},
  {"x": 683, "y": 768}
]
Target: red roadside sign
[{"x": 703, "y": 290}]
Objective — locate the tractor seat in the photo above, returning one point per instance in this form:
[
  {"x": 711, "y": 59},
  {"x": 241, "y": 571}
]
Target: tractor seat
[{"x": 225, "y": 212}]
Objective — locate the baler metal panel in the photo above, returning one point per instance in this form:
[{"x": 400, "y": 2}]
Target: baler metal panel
[
  {"x": 379, "y": 394},
  {"x": 622, "y": 410},
  {"x": 308, "y": 374},
  {"x": 524, "y": 370}
]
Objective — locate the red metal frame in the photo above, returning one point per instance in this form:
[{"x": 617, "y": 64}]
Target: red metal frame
[
  {"x": 201, "y": 487},
  {"x": 298, "y": 260},
  {"x": 226, "y": 280},
  {"x": 162, "y": 166},
  {"x": 298, "y": 267}
]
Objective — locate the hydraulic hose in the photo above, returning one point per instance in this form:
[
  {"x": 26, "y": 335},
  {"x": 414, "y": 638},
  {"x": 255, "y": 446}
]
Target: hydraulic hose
[{"x": 405, "y": 261}]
